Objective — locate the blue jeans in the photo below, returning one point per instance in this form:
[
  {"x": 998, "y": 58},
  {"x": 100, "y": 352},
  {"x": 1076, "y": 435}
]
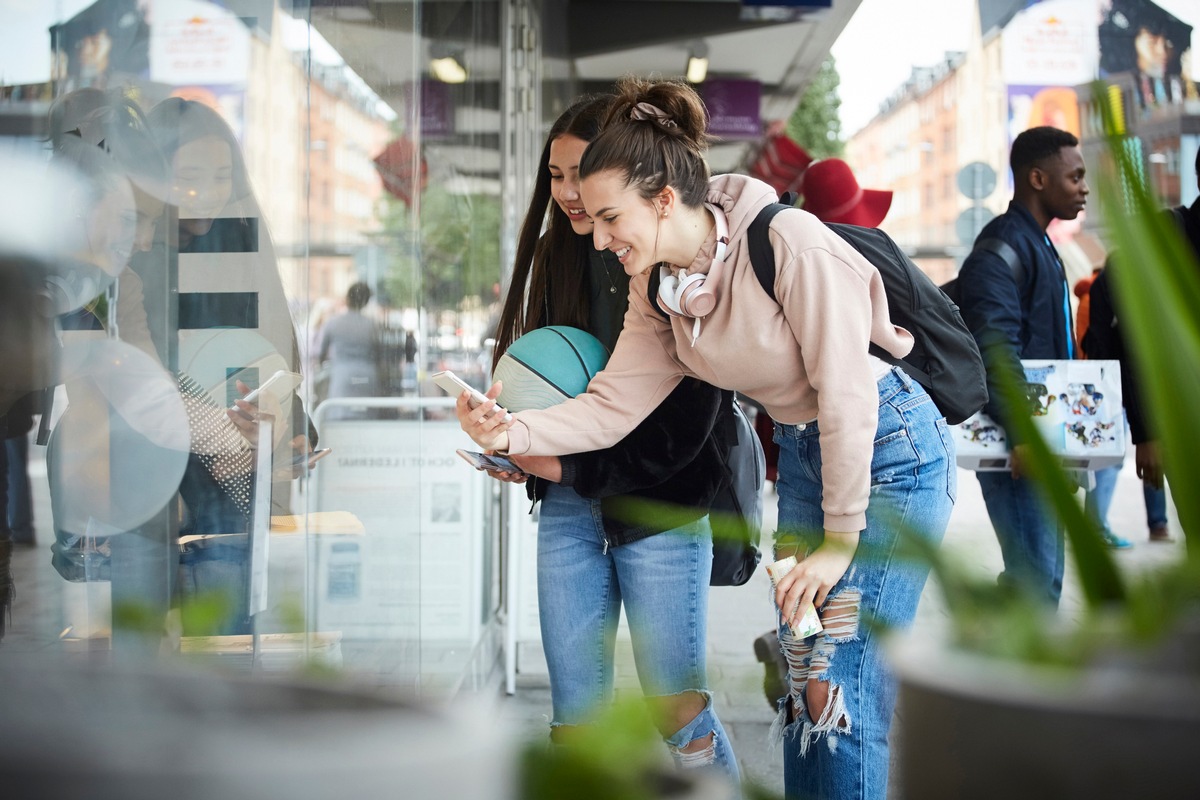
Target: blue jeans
[
  {"x": 219, "y": 568},
  {"x": 1156, "y": 505},
  {"x": 843, "y": 753},
  {"x": 1031, "y": 540},
  {"x": 1098, "y": 500},
  {"x": 662, "y": 581}
]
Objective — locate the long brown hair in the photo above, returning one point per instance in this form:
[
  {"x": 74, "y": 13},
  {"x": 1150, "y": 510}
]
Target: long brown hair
[
  {"x": 655, "y": 135},
  {"x": 549, "y": 278}
]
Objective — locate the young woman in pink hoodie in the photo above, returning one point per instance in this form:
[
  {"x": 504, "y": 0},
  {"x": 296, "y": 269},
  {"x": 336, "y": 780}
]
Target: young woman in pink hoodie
[{"x": 864, "y": 452}]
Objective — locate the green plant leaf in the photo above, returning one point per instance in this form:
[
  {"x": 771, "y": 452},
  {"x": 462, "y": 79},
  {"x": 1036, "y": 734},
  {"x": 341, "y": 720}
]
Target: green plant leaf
[{"x": 1157, "y": 282}]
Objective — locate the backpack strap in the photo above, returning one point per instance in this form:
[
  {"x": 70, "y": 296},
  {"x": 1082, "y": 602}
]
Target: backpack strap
[
  {"x": 762, "y": 257},
  {"x": 1007, "y": 254}
]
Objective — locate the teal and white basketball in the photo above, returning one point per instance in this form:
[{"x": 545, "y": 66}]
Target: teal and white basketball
[{"x": 548, "y": 365}]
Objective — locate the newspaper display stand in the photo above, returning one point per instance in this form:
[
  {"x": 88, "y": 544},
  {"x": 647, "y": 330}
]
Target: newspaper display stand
[
  {"x": 415, "y": 592},
  {"x": 1077, "y": 409}
]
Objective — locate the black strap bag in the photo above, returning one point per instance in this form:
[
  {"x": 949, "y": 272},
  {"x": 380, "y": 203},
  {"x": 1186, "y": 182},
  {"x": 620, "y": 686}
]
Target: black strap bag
[{"x": 945, "y": 358}]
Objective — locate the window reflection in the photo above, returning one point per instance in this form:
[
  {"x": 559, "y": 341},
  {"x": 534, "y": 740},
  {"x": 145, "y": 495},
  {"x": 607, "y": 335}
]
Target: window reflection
[{"x": 229, "y": 196}]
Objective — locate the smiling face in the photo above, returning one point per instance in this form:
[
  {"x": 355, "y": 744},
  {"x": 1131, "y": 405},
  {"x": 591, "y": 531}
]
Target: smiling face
[
  {"x": 112, "y": 227},
  {"x": 149, "y": 209},
  {"x": 203, "y": 181},
  {"x": 1064, "y": 189},
  {"x": 565, "y": 152},
  {"x": 625, "y": 222}
]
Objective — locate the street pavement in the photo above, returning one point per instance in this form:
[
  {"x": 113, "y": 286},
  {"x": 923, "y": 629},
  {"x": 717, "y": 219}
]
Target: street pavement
[{"x": 737, "y": 615}]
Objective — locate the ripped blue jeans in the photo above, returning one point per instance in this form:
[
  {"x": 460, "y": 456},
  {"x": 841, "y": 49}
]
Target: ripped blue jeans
[
  {"x": 662, "y": 582},
  {"x": 835, "y": 744}
]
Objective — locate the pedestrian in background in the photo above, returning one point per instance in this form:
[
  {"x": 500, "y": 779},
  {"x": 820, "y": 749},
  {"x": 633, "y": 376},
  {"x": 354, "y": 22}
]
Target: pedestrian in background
[
  {"x": 1019, "y": 311},
  {"x": 350, "y": 346},
  {"x": 1106, "y": 340}
]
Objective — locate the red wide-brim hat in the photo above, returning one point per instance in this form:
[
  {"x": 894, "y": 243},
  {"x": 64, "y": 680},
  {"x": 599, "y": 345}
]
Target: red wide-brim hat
[{"x": 831, "y": 193}]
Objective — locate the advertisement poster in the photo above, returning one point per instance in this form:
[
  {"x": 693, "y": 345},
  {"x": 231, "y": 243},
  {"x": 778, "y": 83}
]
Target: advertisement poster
[
  {"x": 733, "y": 108},
  {"x": 197, "y": 43},
  {"x": 1140, "y": 38}
]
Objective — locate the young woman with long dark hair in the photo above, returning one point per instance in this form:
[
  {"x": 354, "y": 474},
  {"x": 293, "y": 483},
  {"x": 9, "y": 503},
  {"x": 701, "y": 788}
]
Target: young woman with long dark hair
[{"x": 597, "y": 549}]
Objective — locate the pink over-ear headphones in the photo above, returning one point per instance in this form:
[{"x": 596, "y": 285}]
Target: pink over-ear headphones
[{"x": 694, "y": 295}]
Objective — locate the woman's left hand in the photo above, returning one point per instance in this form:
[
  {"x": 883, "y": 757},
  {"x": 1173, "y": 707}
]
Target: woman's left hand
[
  {"x": 811, "y": 580},
  {"x": 484, "y": 424},
  {"x": 245, "y": 415}
]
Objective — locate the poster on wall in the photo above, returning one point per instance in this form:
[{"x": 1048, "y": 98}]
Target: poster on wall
[
  {"x": 1051, "y": 43},
  {"x": 1048, "y": 49},
  {"x": 1142, "y": 39},
  {"x": 198, "y": 43},
  {"x": 103, "y": 46},
  {"x": 1031, "y": 106},
  {"x": 733, "y": 108}
]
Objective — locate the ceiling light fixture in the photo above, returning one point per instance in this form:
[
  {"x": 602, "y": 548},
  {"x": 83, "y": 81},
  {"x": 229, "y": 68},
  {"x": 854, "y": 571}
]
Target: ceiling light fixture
[
  {"x": 697, "y": 65},
  {"x": 445, "y": 64}
]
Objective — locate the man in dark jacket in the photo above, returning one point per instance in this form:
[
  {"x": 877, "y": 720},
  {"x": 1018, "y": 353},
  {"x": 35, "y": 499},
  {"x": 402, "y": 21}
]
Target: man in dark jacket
[
  {"x": 1105, "y": 341},
  {"x": 1022, "y": 310}
]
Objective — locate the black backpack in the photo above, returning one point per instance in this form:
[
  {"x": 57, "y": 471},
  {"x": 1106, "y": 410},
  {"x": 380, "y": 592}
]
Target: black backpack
[
  {"x": 945, "y": 358},
  {"x": 737, "y": 510}
]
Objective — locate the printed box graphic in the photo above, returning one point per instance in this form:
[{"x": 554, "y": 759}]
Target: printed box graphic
[{"x": 1076, "y": 406}]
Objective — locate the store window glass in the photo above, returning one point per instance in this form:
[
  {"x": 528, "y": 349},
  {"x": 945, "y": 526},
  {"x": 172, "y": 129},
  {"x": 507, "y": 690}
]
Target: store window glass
[{"x": 299, "y": 200}]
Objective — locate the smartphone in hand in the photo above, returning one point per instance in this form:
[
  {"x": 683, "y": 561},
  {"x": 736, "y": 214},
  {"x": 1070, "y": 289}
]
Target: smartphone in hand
[
  {"x": 301, "y": 460},
  {"x": 453, "y": 385},
  {"x": 278, "y": 386},
  {"x": 494, "y": 463}
]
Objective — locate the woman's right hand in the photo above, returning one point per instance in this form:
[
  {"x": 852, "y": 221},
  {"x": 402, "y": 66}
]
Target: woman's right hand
[{"x": 487, "y": 429}]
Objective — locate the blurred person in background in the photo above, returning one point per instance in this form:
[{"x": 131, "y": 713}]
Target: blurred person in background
[
  {"x": 1021, "y": 314},
  {"x": 350, "y": 347},
  {"x": 1106, "y": 340},
  {"x": 1097, "y": 498}
]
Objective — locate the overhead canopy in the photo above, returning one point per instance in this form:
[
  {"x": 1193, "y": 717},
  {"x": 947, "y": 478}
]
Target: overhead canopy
[{"x": 586, "y": 45}]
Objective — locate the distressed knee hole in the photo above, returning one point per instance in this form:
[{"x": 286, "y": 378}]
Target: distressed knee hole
[
  {"x": 563, "y": 734},
  {"x": 700, "y": 752},
  {"x": 839, "y": 615},
  {"x": 823, "y": 702},
  {"x": 797, "y": 653}
]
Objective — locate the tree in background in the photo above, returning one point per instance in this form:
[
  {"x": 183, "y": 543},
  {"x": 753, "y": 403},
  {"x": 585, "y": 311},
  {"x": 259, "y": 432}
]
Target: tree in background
[
  {"x": 458, "y": 253},
  {"x": 815, "y": 125}
]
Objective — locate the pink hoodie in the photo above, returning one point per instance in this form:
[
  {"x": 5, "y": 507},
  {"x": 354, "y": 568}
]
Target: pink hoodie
[{"x": 804, "y": 358}]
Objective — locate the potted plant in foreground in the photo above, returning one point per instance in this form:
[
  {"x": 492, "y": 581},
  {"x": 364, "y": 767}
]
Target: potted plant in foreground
[{"x": 1021, "y": 703}]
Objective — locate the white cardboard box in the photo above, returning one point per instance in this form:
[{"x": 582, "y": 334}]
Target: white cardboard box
[{"x": 1078, "y": 412}]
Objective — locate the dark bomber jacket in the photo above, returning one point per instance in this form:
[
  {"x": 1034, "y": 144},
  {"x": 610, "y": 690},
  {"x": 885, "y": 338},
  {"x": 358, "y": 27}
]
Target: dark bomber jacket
[
  {"x": 676, "y": 456},
  {"x": 1012, "y": 322}
]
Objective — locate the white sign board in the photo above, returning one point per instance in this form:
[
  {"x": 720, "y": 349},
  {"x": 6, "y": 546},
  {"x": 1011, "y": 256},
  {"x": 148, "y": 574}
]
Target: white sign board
[
  {"x": 194, "y": 43},
  {"x": 1077, "y": 409},
  {"x": 416, "y": 573}
]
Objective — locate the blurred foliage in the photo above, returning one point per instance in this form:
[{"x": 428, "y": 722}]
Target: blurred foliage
[
  {"x": 815, "y": 124},
  {"x": 207, "y": 613},
  {"x": 618, "y": 757},
  {"x": 454, "y": 253}
]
